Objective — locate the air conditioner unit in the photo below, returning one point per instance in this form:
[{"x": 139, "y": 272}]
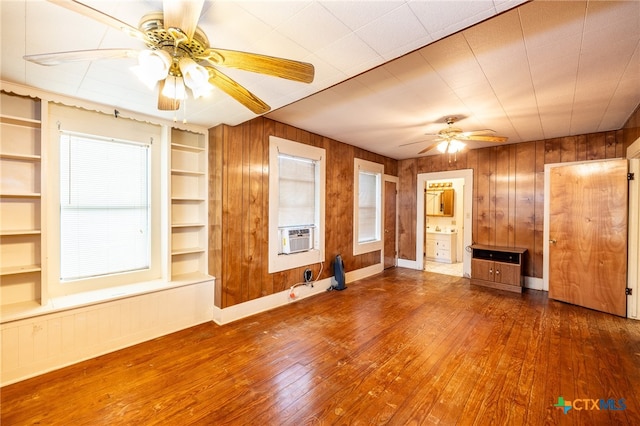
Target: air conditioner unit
[{"x": 297, "y": 240}]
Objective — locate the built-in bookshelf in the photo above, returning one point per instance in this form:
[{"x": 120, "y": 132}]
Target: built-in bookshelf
[
  {"x": 188, "y": 204},
  {"x": 21, "y": 203}
]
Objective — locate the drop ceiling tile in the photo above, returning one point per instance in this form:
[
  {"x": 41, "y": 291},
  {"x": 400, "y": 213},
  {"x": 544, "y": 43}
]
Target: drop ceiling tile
[
  {"x": 356, "y": 14},
  {"x": 545, "y": 23},
  {"x": 350, "y": 53},
  {"x": 614, "y": 16},
  {"x": 273, "y": 13},
  {"x": 451, "y": 16},
  {"x": 504, "y": 5},
  {"x": 313, "y": 27},
  {"x": 408, "y": 68},
  {"x": 553, "y": 53},
  {"x": 226, "y": 23},
  {"x": 384, "y": 34},
  {"x": 413, "y": 45}
]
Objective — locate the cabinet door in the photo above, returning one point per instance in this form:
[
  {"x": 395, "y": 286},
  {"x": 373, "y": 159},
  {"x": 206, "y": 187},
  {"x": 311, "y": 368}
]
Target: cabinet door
[
  {"x": 507, "y": 273},
  {"x": 482, "y": 269},
  {"x": 431, "y": 247}
]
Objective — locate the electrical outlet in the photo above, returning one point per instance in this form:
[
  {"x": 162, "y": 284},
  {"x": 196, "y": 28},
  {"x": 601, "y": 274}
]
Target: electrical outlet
[{"x": 307, "y": 276}]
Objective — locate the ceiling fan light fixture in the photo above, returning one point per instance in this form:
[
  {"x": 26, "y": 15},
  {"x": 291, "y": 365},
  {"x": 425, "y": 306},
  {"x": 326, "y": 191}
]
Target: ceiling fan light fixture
[
  {"x": 455, "y": 146},
  {"x": 442, "y": 146},
  {"x": 173, "y": 88},
  {"x": 196, "y": 77},
  {"x": 155, "y": 62}
]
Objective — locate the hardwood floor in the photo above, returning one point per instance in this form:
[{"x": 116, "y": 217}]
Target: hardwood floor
[{"x": 403, "y": 347}]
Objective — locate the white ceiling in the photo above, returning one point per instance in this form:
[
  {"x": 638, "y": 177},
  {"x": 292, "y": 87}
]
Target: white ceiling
[{"x": 539, "y": 70}]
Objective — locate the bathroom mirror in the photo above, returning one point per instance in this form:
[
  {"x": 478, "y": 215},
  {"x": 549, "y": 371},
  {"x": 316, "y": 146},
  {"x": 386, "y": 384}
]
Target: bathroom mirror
[{"x": 439, "y": 202}]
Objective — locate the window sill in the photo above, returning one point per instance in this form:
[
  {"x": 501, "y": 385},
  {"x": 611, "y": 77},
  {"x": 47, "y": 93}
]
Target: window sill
[{"x": 26, "y": 310}]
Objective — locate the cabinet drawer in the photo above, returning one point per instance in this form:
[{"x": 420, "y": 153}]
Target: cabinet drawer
[{"x": 443, "y": 244}]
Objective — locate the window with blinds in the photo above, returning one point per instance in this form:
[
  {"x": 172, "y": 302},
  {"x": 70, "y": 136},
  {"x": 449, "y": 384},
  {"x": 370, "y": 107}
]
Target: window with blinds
[
  {"x": 367, "y": 206},
  {"x": 369, "y": 195},
  {"x": 296, "y": 204},
  {"x": 104, "y": 206},
  {"x": 297, "y": 191}
]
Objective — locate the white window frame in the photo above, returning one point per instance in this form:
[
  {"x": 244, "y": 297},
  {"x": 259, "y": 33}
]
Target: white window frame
[
  {"x": 376, "y": 169},
  {"x": 74, "y": 120},
  {"x": 282, "y": 262}
]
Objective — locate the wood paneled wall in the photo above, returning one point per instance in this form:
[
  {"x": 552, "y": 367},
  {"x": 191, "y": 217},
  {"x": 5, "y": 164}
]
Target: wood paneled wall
[
  {"x": 239, "y": 206},
  {"x": 631, "y": 129},
  {"x": 508, "y": 189}
]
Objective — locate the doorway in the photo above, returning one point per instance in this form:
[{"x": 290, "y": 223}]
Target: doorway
[
  {"x": 463, "y": 199},
  {"x": 444, "y": 211}
]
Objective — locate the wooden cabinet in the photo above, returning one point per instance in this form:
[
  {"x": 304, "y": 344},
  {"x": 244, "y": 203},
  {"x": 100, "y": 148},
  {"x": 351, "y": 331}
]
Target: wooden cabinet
[
  {"x": 441, "y": 246},
  {"x": 497, "y": 267},
  {"x": 188, "y": 204},
  {"x": 21, "y": 205}
]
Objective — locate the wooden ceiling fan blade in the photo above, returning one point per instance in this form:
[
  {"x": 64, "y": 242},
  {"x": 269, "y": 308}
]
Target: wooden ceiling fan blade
[
  {"x": 166, "y": 103},
  {"x": 429, "y": 148},
  {"x": 58, "y": 58},
  {"x": 423, "y": 141},
  {"x": 263, "y": 64},
  {"x": 237, "y": 92},
  {"x": 487, "y": 138},
  {"x": 101, "y": 17},
  {"x": 183, "y": 14},
  {"x": 478, "y": 132}
]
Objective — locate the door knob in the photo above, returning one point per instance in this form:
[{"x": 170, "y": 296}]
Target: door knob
[{"x": 553, "y": 241}]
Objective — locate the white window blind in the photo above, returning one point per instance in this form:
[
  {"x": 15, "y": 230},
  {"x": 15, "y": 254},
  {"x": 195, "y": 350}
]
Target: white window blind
[
  {"x": 104, "y": 206},
  {"x": 368, "y": 207},
  {"x": 297, "y": 191}
]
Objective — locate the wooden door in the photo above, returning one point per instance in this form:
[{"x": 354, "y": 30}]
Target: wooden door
[
  {"x": 588, "y": 235},
  {"x": 390, "y": 248}
]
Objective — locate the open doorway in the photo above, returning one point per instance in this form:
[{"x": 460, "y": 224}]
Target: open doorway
[
  {"x": 444, "y": 214},
  {"x": 444, "y": 231}
]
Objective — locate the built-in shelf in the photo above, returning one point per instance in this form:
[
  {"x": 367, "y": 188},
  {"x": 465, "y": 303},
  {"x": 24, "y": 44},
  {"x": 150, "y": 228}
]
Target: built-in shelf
[
  {"x": 187, "y": 225},
  {"x": 19, "y": 232},
  {"x": 187, "y": 199},
  {"x": 185, "y": 147},
  {"x": 188, "y": 250},
  {"x": 188, "y": 204},
  {"x": 21, "y": 204},
  {"x": 187, "y": 172},
  {"x": 19, "y": 157},
  {"x": 20, "y": 121},
  {"x": 21, "y": 195},
  {"x": 24, "y": 269}
]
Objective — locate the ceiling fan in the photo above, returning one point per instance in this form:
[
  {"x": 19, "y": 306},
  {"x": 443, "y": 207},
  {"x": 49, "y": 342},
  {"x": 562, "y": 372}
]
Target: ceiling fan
[
  {"x": 451, "y": 139},
  {"x": 178, "y": 56}
]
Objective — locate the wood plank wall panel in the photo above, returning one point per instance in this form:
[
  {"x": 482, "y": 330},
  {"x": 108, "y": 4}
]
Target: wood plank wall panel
[
  {"x": 239, "y": 206},
  {"x": 525, "y": 208},
  {"x": 535, "y": 259},
  {"x": 503, "y": 196},
  {"x": 485, "y": 196},
  {"x": 215, "y": 208},
  {"x": 407, "y": 187},
  {"x": 508, "y": 189},
  {"x": 631, "y": 130}
]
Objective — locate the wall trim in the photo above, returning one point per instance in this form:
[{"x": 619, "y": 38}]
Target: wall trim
[
  {"x": 534, "y": 283},
  {"x": 222, "y": 316}
]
